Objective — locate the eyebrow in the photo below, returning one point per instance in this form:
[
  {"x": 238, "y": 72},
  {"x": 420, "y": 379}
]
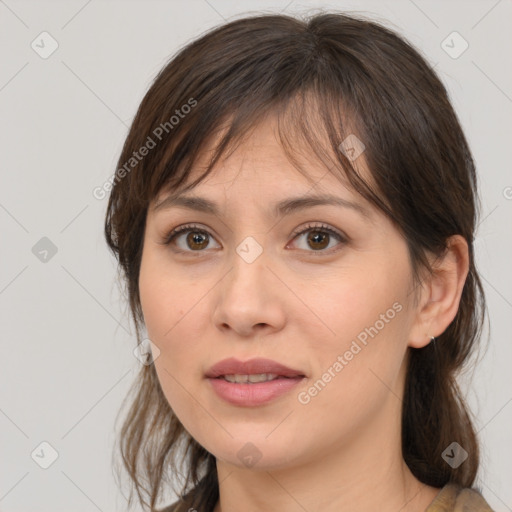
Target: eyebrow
[{"x": 280, "y": 209}]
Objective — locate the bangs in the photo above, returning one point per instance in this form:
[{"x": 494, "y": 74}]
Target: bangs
[{"x": 312, "y": 126}]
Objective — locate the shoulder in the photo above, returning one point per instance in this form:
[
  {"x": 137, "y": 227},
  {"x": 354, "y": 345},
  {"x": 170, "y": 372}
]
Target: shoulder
[
  {"x": 186, "y": 504},
  {"x": 201, "y": 498},
  {"x": 178, "y": 506},
  {"x": 181, "y": 505},
  {"x": 454, "y": 498}
]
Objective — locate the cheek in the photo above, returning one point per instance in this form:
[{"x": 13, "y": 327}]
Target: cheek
[
  {"x": 174, "y": 316},
  {"x": 348, "y": 304},
  {"x": 361, "y": 335},
  {"x": 163, "y": 296},
  {"x": 169, "y": 311},
  {"x": 356, "y": 374}
]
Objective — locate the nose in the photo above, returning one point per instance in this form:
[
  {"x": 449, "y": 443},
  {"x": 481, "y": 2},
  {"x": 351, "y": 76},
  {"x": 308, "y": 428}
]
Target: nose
[{"x": 250, "y": 299}]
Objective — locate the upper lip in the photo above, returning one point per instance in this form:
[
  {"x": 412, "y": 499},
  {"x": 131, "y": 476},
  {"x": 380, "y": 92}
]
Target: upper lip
[{"x": 234, "y": 366}]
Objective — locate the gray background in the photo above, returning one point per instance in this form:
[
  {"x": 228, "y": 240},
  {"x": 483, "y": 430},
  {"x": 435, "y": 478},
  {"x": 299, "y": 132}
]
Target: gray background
[{"x": 66, "y": 360}]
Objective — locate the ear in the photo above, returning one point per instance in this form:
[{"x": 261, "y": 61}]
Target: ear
[{"x": 440, "y": 293}]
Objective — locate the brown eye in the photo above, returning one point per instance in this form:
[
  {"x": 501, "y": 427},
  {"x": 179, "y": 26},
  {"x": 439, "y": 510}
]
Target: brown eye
[
  {"x": 319, "y": 238},
  {"x": 196, "y": 239}
]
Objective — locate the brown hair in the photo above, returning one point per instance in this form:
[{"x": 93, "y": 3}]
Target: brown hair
[{"x": 350, "y": 75}]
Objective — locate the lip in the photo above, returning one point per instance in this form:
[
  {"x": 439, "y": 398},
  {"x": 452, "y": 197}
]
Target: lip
[
  {"x": 233, "y": 366},
  {"x": 254, "y": 394}
]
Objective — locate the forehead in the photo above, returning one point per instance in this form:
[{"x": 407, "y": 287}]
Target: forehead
[
  {"x": 259, "y": 172},
  {"x": 263, "y": 161}
]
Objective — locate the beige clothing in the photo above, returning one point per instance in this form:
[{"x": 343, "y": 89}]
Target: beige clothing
[{"x": 453, "y": 498}]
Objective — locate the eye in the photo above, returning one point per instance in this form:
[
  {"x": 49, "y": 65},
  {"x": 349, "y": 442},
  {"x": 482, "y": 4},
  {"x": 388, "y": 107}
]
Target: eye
[
  {"x": 319, "y": 237},
  {"x": 195, "y": 241}
]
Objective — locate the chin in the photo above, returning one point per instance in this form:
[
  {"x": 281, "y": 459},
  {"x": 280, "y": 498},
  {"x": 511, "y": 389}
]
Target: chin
[{"x": 253, "y": 452}]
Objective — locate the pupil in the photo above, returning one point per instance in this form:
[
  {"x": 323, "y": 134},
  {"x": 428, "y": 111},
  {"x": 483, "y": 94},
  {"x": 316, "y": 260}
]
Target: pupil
[
  {"x": 317, "y": 237},
  {"x": 196, "y": 238}
]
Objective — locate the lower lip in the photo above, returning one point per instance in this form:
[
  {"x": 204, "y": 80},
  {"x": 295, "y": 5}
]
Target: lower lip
[{"x": 253, "y": 394}]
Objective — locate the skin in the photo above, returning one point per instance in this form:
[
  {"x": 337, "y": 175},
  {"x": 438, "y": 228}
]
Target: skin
[{"x": 342, "y": 450}]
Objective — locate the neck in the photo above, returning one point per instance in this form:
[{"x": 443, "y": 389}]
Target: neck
[{"x": 356, "y": 475}]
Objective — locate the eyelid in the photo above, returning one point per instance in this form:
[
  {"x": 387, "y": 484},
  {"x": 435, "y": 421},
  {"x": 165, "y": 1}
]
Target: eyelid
[
  {"x": 310, "y": 226},
  {"x": 169, "y": 237}
]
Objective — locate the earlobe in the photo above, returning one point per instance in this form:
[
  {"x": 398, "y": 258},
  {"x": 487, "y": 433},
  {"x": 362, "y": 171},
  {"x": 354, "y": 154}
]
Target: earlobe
[{"x": 441, "y": 293}]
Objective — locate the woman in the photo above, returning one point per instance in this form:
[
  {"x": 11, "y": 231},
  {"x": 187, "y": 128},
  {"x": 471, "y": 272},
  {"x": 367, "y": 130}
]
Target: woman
[{"x": 294, "y": 212}]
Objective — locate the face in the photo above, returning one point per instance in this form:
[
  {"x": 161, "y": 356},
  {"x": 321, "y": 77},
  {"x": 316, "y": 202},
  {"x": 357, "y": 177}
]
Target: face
[{"x": 323, "y": 289}]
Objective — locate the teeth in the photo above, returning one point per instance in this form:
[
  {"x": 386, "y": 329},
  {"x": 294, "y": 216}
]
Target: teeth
[{"x": 241, "y": 379}]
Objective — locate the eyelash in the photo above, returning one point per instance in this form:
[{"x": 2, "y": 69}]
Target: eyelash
[{"x": 170, "y": 237}]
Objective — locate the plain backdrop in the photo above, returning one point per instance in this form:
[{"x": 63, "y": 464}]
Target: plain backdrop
[{"x": 71, "y": 78}]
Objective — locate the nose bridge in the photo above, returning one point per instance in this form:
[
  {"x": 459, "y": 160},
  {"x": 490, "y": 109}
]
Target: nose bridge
[
  {"x": 246, "y": 297},
  {"x": 248, "y": 269},
  {"x": 250, "y": 249}
]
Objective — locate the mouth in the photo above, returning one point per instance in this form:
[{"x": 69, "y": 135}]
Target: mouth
[
  {"x": 253, "y": 378},
  {"x": 253, "y": 370},
  {"x": 252, "y": 383}
]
